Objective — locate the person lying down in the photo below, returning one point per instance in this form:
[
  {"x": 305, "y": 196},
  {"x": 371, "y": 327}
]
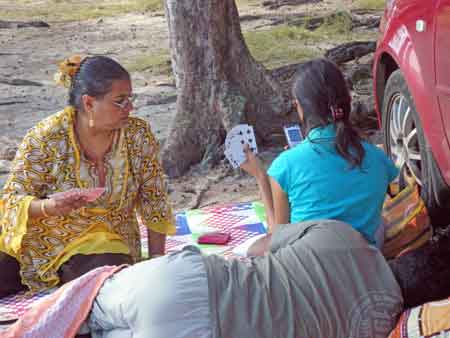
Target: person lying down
[{"x": 319, "y": 279}]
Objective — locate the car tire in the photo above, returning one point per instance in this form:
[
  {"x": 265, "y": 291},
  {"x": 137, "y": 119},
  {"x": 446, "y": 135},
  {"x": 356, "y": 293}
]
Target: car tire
[{"x": 406, "y": 144}]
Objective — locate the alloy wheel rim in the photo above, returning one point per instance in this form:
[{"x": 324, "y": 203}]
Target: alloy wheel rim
[{"x": 404, "y": 146}]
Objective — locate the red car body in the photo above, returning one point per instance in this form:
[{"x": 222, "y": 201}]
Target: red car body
[{"x": 415, "y": 38}]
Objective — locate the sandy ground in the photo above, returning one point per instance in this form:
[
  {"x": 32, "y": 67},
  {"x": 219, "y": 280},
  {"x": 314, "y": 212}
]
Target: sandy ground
[{"x": 33, "y": 53}]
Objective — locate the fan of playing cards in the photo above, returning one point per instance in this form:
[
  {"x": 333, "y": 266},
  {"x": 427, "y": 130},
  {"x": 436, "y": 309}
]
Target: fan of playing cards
[
  {"x": 89, "y": 194},
  {"x": 235, "y": 141}
]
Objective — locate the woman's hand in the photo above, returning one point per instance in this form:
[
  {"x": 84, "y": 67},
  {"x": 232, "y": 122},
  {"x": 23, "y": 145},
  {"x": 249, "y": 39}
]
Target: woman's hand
[
  {"x": 63, "y": 206},
  {"x": 252, "y": 165}
]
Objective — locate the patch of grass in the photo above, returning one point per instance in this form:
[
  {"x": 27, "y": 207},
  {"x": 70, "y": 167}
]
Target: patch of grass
[
  {"x": 370, "y": 4},
  {"x": 157, "y": 63},
  {"x": 340, "y": 22},
  {"x": 286, "y": 44},
  {"x": 280, "y": 45},
  {"x": 150, "y": 5},
  {"x": 337, "y": 26},
  {"x": 241, "y": 3},
  {"x": 65, "y": 10}
]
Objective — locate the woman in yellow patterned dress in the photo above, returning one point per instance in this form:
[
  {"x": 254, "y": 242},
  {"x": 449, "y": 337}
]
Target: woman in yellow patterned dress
[{"x": 91, "y": 143}]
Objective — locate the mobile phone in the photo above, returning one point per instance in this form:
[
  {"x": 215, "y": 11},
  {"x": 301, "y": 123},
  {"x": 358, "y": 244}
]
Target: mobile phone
[
  {"x": 214, "y": 238},
  {"x": 293, "y": 135}
]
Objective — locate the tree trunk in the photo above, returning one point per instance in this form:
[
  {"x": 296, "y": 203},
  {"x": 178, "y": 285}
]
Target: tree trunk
[{"x": 219, "y": 84}]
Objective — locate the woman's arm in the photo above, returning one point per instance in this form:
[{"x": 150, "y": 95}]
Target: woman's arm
[
  {"x": 55, "y": 207},
  {"x": 36, "y": 208},
  {"x": 156, "y": 243},
  {"x": 153, "y": 204}
]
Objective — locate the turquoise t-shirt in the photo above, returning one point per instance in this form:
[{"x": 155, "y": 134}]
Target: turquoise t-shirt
[{"x": 321, "y": 184}]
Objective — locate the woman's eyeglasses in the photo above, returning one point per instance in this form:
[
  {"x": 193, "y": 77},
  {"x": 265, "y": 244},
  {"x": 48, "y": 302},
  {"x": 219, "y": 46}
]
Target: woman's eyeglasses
[{"x": 122, "y": 104}]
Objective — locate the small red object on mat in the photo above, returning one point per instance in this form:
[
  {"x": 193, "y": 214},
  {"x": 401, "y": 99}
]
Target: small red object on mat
[{"x": 214, "y": 238}]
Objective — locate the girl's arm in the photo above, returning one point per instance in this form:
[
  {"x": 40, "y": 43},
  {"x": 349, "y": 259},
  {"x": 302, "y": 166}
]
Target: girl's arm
[
  {"x": 281, "y": 208},
  {"x": 265, "y": 191},
  {"x": 275, "y": 200}
]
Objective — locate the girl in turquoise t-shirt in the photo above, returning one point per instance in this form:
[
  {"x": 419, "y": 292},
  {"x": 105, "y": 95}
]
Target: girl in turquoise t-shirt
[{"x": 333, "y": 173}]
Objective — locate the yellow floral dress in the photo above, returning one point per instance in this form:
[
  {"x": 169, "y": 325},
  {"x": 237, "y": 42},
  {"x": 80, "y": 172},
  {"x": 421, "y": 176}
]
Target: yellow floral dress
[{"x": 49, "y": 160}]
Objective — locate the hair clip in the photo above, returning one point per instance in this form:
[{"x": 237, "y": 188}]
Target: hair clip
[
  {"x": 337, "y": 113},
  {"x": 67, "y": 70}
]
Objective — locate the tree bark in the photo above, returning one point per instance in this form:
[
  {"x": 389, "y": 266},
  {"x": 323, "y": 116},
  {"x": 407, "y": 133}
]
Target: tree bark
[{"x": 219, "y": 84}]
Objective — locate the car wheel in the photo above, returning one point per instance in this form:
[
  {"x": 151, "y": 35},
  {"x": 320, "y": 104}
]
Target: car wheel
[{"x": 405, "y": 143}]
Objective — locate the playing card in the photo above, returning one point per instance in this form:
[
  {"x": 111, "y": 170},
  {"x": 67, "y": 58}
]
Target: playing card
[
  {"x": 64, "y": 194},
  {"x": 235, "y": 131},
  {"x": 236, "y": 151},
  {"x": 93, "y": 193},
  {"x": 235, "y": 141},
  {"x": 250, "y": 139},
  {"x": 90, "y": 194},
  {"x": 230, "y": 158},
  {"x": 243, "y": 132}
]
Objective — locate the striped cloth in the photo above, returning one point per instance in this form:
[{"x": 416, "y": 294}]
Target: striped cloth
[
  {"x": 407, "y": 224},
  {"x": 427, "y": 320}
]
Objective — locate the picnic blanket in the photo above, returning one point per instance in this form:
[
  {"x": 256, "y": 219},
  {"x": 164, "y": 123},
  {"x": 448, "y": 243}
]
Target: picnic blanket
[
  {"x": 61, "y": 314},
  {"x": 407, "y": 227},
  {"x": 241, "y": 220}
]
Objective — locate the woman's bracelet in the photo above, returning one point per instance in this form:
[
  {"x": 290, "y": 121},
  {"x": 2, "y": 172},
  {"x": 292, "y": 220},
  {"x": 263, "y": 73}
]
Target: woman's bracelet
[{"x": 43, "y": 211}]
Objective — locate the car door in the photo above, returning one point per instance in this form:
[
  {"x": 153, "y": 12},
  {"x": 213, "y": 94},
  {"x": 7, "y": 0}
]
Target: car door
[{"x": 442, "y": 73}]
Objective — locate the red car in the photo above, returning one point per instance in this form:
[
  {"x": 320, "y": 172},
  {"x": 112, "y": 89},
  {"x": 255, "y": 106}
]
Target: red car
[{"x": 412, "y": 91}]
